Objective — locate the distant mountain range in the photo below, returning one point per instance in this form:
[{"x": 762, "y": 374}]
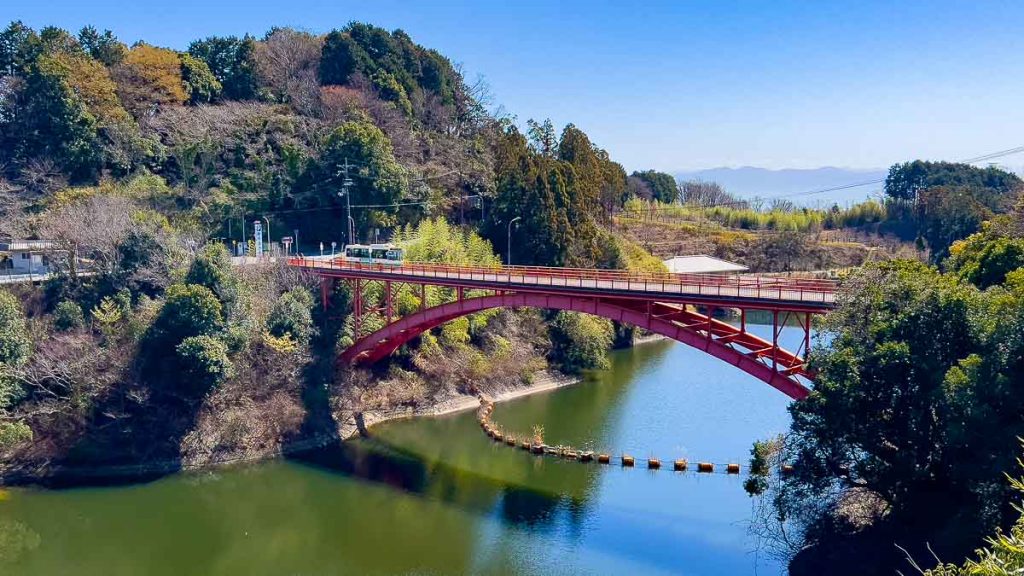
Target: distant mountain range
[
  {"x": 794, "y": 184},
  {"x": 750, "y": 182}
]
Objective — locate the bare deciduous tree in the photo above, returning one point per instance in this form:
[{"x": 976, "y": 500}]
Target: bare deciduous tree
[
  {"x": 42, "y": 177},
  {"x": 91, "y": 229},
  {"x": 707, "y": 194},
  {"x": 13, "y": 219},
  {"x": 64, "y": 375},
  {"x": 287, "y": 61}
]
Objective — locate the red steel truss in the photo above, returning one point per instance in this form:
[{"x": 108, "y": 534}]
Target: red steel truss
[{"x": 679, "y": 306}]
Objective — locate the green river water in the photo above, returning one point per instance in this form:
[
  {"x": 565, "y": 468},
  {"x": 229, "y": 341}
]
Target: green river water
[{"x": 435, "y": 496}]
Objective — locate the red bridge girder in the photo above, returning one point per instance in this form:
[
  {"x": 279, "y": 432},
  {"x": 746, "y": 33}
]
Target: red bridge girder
[
  {"x": 763, "y": 359},
  {"x": 662, "y": 303}
]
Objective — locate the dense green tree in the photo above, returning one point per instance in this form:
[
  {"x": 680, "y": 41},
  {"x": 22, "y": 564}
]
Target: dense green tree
[
  {"x": 57, "y": 40},
  {"x": 188, "y": 310},
  {"x": 91, "y": 83},
  {"x": 204, "y": 364},
  {"x": 985, "y": 258},
  {"x": 389, "y": 89},
  {"x": 580, "y": 341},
  {"x": 292, "y": 315},
  {"x": 104, "y": 47},
  {"x": 232, "y": 61},
  {"x": 142, "y": 261},
  {"x": 543, "y": 138},
  {"x": 14, "y": 433},
  {"x": 50, "y": 120},
  {"x": 201, "y": 85},
  {"x": 212, "y": 268},
  {"x": 936, "y": 364},
  {"x": 533, "y": 187},
  {"x": 340, "y": 57},
  {"x": 398, "y": 68},
  {"x": 19, "y": 47},
  {"x": 662, "y": 186},
  {"x": 946, "y": 215},
  {"x": 378, "y": 180},
  {"x": 14, "y": 340},
  {"x": 1003, "y": 554},
  {"x": 906, "y": 180},
  {"x": 68, "y": 316},
  {"x": 15, "y": 346}
]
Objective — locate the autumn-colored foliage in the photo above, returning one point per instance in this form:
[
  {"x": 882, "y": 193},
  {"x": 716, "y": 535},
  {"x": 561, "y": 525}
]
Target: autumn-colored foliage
[{"x": 150, "y": 77}]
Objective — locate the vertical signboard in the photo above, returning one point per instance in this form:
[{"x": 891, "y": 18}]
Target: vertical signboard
[{"x": 257, "y": 232}]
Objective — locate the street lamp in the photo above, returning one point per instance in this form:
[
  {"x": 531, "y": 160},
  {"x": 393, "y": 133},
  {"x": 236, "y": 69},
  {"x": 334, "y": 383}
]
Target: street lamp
[
  {"x": 509, "y": 261},
  {"x": 270, "y": 243}
]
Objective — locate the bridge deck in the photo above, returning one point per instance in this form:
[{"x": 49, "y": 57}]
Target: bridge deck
[{"x": 748, "y": 290}]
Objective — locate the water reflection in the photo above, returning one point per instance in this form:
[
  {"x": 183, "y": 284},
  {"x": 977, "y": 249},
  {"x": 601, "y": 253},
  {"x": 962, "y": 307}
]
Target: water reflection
[{"x": 437, "y": 496}]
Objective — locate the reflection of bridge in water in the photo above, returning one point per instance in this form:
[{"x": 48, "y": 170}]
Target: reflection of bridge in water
[{"x": 679, "y": 306}]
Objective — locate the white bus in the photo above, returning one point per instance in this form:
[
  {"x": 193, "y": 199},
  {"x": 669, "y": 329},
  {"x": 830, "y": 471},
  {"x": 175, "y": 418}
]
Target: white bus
[{"x": 373, "y": 254}]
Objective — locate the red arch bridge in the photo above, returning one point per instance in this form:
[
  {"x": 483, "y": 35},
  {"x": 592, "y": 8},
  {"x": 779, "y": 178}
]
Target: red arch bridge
[{"x": 679, "y": 306}]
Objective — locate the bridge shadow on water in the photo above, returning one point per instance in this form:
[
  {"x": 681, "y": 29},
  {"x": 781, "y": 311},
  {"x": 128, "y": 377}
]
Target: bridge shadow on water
[
  {"x": 376, "y": 461},
  {"x": 449, "y": 459}
]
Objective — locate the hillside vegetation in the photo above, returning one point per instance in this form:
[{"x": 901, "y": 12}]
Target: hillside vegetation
[{"x": 145, "y": 167}]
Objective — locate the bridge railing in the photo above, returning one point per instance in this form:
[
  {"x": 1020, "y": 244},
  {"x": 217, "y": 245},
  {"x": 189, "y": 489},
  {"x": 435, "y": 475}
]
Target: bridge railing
[{"x": 802, "y": 289}]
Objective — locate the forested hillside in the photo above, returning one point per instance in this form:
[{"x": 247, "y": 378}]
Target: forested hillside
[
  {"x": 145, "y": 167},
  {"x": 237, "y": 128}
]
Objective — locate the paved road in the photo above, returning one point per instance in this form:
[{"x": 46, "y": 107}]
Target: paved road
[{"x": 809, "y": 292}]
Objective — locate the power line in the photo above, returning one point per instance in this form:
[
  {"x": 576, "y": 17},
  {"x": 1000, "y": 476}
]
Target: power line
[
  {"x": 320, "y": 208},
  {"x": 974, "y": 160}
]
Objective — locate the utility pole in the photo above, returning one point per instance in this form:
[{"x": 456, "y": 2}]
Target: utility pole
[
  {"x": 508, "y": 262},
  {"x": 346, "y": 183}
]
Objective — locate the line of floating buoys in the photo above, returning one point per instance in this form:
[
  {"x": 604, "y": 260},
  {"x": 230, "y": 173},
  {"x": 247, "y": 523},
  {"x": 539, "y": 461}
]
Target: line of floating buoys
[{"x": 568, "y": 452}]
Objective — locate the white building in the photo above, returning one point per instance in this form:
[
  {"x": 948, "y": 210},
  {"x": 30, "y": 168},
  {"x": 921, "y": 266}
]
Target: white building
[
  {"x": 25, "y": 257},
  {"x": 702, "y": 264}
]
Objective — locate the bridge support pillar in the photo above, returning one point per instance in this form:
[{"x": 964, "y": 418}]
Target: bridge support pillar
[
  {"x": 326, "y": 286},
  {"x": 775, "y": 340},
  {"x": 357, "y": 306},
  {"x": 807, "y": 336},
  {"x": 387, "y": 297}
]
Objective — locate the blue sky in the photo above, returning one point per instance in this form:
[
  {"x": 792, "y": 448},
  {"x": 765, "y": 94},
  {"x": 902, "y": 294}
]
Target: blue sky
[{"x": 685, "y": 84}]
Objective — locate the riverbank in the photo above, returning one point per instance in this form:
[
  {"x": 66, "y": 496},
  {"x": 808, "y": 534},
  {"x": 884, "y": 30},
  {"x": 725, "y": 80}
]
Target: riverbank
[
  {"x": 351, "y": 425},
  {"x": 543, "y": 381}
]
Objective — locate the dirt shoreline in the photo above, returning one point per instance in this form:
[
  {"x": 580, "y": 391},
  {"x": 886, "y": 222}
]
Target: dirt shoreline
[{"x": 543, "y": 381}]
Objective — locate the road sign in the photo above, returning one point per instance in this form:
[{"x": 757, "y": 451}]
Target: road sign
[{"x": 257, "y": 232}]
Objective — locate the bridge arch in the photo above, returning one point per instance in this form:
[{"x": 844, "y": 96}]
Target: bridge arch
[{"x": 387, "y": 340}]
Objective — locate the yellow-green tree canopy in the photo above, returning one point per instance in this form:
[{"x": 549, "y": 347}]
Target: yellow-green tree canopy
[{"x": 150, "y": 77}]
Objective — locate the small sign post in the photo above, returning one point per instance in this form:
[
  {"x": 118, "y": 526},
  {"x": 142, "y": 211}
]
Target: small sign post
[
  {"x": 257, "y": 232},
  {"x": 287, "y": 241}
]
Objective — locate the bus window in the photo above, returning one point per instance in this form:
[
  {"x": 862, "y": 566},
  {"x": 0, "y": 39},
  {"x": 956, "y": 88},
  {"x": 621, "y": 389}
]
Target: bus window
[
  {"x": 395, "y": 255},
  {"x": 379, "y": 254}
]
